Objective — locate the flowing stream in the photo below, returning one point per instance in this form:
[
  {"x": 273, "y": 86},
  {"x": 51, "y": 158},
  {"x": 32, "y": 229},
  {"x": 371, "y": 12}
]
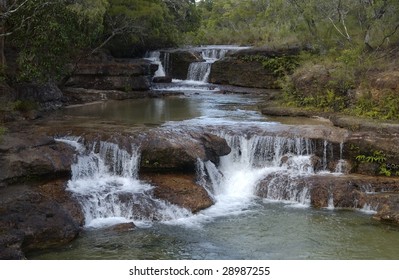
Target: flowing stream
[{"x": 240, "y": 224}]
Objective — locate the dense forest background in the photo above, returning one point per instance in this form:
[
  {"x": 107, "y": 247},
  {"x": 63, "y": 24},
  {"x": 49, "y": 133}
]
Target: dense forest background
[{"x": 357, "y": 37}]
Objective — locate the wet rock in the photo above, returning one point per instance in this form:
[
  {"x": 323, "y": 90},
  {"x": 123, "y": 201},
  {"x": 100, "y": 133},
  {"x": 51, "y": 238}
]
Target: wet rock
[
  {"x": 388, "y": 207},
  {"x": 122, "y": 227},
  {"x": 343, "y": 191},
  {"x": 179, "y": 62},
  {"x": 180, "y": 189},
  {"x": 122, "y": 83},
  {"x": 34, "y": 218},
  {"x": 163, "y": 151},
  {"x": 33, "y": 156},
  {"x": 165, "y": 79}
]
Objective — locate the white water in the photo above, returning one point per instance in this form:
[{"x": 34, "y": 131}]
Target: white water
[
  {"x": 155, "y": 57},
  {"x": 200, "y": 71},
  {"x": 104, "y": 180}
]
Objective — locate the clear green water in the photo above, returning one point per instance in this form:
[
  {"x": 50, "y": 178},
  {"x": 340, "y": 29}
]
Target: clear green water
[{"x": 265, "y": 231}]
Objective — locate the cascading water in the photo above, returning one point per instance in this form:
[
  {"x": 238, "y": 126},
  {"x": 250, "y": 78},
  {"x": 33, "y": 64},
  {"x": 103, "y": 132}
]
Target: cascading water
[
  {"x": 104, "y": 181},
  {"x": 234, "y": 182},
  {"x": 155, "y": 57},
  {"x": 200, "y": 71}
]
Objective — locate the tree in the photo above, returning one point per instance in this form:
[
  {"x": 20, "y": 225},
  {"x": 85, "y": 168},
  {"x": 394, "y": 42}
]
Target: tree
[{"x": 48, "y": 34}]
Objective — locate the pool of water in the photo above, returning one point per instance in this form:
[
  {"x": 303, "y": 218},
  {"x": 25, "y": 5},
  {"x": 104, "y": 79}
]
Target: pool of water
[
  {"x": 264, "y": 231},
  {"x": 255, "y": 229}
]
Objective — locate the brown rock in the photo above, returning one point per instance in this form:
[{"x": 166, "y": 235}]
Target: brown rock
[
  {"x": 24, "y": 159},
  {"x": 180, "y": 189},
  {"x": 122, "y": 227},
  {"x": 34, "y": 218},
  {"x": 232, "y": 71},
  {"x": 163, "y": 151}
]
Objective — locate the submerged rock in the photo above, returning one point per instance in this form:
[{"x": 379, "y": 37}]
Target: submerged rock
[{"x": 122, "y": 227}]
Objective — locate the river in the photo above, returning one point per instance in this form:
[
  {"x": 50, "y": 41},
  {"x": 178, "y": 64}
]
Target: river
[{"x": 240, "y": 224}]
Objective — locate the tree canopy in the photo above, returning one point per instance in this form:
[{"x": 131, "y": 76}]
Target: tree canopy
[{"x": 49, "y": 33}]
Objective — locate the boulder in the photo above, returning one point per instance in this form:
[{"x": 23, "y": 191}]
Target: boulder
[
  {"x": 48, "y": 96},
  {"x": 33, "y": 218},
  {"x": 27, "y": 157},
  {"x": 180, "y": 189},
  {"x": 179, "y": 62},
  {"x": 388, "y": 80},
  {"x": 163, "y": 150}
]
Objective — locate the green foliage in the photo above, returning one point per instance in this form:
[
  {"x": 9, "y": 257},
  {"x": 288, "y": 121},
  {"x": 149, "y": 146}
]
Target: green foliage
[
  {"x": 279, "y": 66},
  {"x": 385, "y": 107},
  {"x": 51, "y": 34},
  {"x": 375, "y": 157},
  {"x": 378, "y": 157},
  {"x": 323, "y": 24},
  {"x": 24, "y": 106},
  {"x": 282, "y": 65}
]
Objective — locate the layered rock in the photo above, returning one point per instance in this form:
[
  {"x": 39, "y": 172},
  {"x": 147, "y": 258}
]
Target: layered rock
[
  {"x": 245, "y": 68},
  {"x": 109, "y": 79}
]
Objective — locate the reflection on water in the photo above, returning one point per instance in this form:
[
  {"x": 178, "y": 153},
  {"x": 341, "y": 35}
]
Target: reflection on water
[
  {"x": 266, "y": 231},
  {"x": 140, "y": 111}
]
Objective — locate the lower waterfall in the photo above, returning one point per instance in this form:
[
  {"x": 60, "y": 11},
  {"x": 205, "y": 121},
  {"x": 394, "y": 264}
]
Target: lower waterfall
[{"x": 105, "y": 181}]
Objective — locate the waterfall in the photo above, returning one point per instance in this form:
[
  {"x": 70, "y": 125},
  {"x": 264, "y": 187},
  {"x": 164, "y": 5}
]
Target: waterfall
[
  {"x": 155, "y": 57},
  {"x": 268, "y": 161},
  {"x": 200, "y": 71},
  {"x": 104, "y": 181}
]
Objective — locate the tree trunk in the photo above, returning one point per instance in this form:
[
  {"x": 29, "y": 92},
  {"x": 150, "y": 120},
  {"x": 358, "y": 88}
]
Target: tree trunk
[
  {"x": 2, "y": 46},
  {"x": 2, "y": 35}
]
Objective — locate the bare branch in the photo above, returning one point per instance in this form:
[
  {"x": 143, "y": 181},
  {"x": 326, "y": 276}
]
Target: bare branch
[
  {"x": 12, "y": 10},
  {"x": 386, "y": 37}
]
